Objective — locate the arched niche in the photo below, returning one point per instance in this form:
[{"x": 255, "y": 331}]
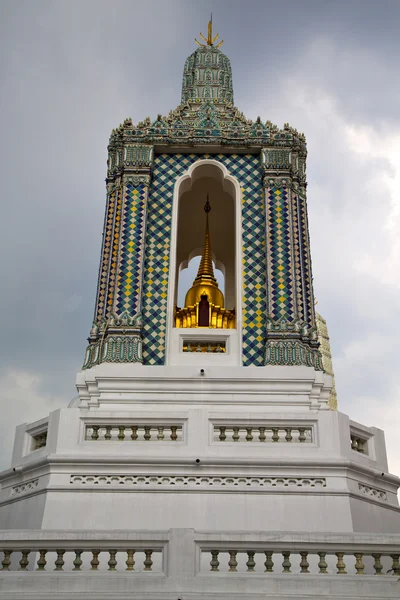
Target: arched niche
[{"x": 187, "y": 238}]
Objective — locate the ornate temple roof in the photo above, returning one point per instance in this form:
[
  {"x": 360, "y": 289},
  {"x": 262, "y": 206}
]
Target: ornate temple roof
[
  {"x": 207, "y": 75},
  {"x": 207, "y": 115}
]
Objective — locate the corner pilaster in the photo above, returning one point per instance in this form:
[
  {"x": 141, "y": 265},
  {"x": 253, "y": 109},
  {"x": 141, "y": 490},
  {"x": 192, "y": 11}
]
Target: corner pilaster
[
  {"x": 291, "y": 329},
  {"x": 116, "y": 334}
]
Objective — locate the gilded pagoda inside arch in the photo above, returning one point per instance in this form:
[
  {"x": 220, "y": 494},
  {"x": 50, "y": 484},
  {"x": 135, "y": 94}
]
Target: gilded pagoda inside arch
[{"x": 204, "y": 301}]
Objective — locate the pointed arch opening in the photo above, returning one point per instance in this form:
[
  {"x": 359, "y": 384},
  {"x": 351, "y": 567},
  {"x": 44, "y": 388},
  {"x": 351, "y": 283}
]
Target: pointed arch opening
[{"x": 222, "y": 246}]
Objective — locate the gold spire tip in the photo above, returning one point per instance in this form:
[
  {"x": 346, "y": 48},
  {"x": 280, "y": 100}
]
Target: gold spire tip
[{"x": 210, "y": 39}]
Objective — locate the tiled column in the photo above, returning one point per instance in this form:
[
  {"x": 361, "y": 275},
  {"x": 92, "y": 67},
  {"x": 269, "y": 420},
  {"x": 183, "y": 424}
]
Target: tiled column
[
  {"x": 291, "y": 330},
  {"x": 116, "y": 335}
]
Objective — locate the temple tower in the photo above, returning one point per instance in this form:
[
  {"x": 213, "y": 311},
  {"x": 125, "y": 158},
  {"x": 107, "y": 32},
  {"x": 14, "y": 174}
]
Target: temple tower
[
  {"x": 159, "y": 173},
  {"x": 204, "y": 430}
]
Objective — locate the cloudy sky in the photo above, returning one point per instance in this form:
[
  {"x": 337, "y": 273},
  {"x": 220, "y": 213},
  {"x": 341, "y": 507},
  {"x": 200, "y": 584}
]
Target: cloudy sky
[{"x": 71, "y": 70}]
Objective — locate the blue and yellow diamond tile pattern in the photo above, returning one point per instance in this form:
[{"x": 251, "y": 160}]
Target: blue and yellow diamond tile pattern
[
  {"x": 133, "y": 222},
  {"x": 307, "y": 295},
  {"x": 105, "y": 258},
  {"x": 281, "y": 302},
  {"x": 166, "y": 169},
  {"x": 298, "y": 275},
  {"x": 114, "y": 253}
]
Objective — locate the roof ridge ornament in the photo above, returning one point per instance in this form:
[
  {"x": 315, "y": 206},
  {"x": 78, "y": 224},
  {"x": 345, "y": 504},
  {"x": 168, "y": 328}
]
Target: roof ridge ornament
[{"x": 210, "y": 40}]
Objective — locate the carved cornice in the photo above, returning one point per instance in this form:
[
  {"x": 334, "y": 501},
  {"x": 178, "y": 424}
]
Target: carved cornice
[
  {"x": 117, "y": 339},
  {"x": 210, "y": 122},
  {"x": 292, "y": 343},
  {"x": 137, "y": 179},
  {"x": 292, "y": 353},
  {"x": 277, "y": 182}
]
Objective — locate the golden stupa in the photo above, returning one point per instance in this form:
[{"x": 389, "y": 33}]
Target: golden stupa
[{"x": 204, "y": 302}]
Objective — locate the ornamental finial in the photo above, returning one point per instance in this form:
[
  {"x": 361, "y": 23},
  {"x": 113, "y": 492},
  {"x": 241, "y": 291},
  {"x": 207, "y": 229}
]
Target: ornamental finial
[{"x": 210, "y": 40}]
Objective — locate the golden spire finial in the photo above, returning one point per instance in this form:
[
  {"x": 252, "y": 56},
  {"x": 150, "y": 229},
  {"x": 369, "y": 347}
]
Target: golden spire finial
[
  {"x": 206, "y": 269},
  {"x": 209, "y": 40}
]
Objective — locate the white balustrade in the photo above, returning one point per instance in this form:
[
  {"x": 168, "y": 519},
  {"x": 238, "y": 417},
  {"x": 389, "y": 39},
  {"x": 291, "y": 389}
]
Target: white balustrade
[
  {"x": 83, "y": 564},
  {"x": 134, "y": 433},
  {"x": 297, "y": 434}
]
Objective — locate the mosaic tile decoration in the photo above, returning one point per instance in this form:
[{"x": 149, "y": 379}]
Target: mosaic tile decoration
[
  {"x": 307, "y": 294},
  {"x": 105, "y": 258},
  {"x": 133, "y": 222},
  {"x": 281, "y": 302},
  {"x": 167, "y": 167},
  {"x": 297, "y": 250},
  {"x": 114, "y": 255}
]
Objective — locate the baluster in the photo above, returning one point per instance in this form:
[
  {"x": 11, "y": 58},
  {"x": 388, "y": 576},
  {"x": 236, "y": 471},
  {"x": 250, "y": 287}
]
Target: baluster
[
  {"x": 275, "y": 434},
  {"x": 95, "y": 560},
  {"x": 341, "y": 567},
  {"x": 235, "y": 435},
  {"x": 198, "y": 349},
  {"x": 209, "y": 348},
  {"x": 269, "y": 565},
  {"x": 24, "y": 562},
  {"x": 378, "y": 566},
  {"x": 59, "y": 562},
  {"x": 147, "y": 561},
  {"x": 360, "y": 446},
  {"x": 121, "y": 434},
  {"x": 353, "y": 441},
  {"x": 134, "y": 435},
  {"x": 304, "y": 564},
  {"x": 249, "y": 436},
  {"x": 396, "y": 564},
  {"x": 222, "y": 434},
  {"x": 218, "y": 349},
  {"x": 302, "y": 437},
  {"x": 188, "y": 348},
  {"x": 95, "y": 432},
  {"x": 286, "y": 564},
  {"x": 112, "y": 563},
  {"x": 359, "y": 563},
  {"x": 214, "y": 560},
  {"x": 323, "y": 565},
  {"x": 107, "y": 435},
  {"x": 42, "y": 562},
  {"x": 174, "y": 435},
  {"x": 6, "y": 562},
  {"x": 262, "y": 437},
  {"x": 147, "y": 433},
  {"x": 232, "y": 560},
  {"x": 130, "y": 561},
  {"x": 78, "y": 561},
  {"x": 288, "y": 436},
  {"x": 251, "y": 562},
  {"x": 160, "y": 434}
]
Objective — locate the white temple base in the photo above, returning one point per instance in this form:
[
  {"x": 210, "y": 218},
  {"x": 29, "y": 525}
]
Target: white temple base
[{"x": 199, "y": 480}]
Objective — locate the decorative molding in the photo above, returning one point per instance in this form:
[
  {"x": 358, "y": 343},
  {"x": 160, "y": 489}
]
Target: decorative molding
[
  {"x": 117, "y": 339},
  {"x": 277, "y": 182},
  {"x": 197, "y": 482},
  {"x": 292, "y": 353},
  {"x": 198, "y": 121},
  {"x": 272, "y": 158},
  {"x": 372, "y": 492},
  {"x": 138, "y": 155},
  {"x": 136, "y": 180},
  {"x": 114, "y": 348},
  {"x": 24, "y": 488}
]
